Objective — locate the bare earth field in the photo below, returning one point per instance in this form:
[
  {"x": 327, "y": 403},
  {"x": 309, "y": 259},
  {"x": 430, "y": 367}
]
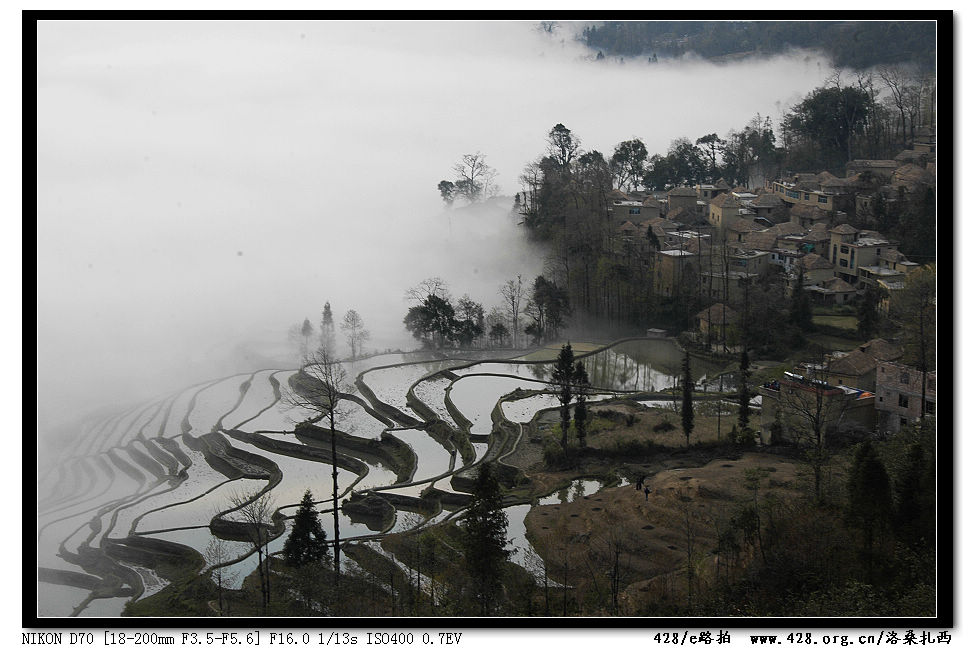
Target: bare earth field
[{"x": 652, "y": 534}]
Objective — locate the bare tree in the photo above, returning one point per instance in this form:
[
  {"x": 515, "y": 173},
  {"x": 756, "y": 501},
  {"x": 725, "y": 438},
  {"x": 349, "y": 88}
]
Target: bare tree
[
  {"x": 296, "y": 340},
  {"x": 512, "y": 292},
  {"x": 614, "y": 545},
  {"x": 531, "y": 179},
  {"x": 809, "y": 405},
  {"x": 320, "y": 386},
  {"x": 217, "y": 553},
  {"x": 254, "y": 511},
  {"x": 355, "y": 331},
  {"x": 905, "y": 95},
  {"x": 475, "y": 179},
  {"x": 435, "y": 286}
]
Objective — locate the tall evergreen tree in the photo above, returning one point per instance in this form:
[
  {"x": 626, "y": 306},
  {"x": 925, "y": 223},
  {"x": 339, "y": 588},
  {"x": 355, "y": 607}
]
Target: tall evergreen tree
[
  {"x": 744, "y": 396},
  {"x": 485, "y": 540},
  {"x": 868, "y": 319},
  {"x": 800, "y": 310},
  {"x": 328, "y": 328},
  {"x": 869, "y": 499},
  {"x": 307, "y": 543},
  {"x": 581, "y": 415},
  {"x": 687, "y": 403},
  {"x": 562, "y": 376}
]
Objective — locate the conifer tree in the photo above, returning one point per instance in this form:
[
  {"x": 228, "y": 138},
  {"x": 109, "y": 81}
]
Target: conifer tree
[
  {"x": 744, "y": 396},
  {"x": 485, "y": 540},
  {"x": 800, "y": 310},
  {"x": 307, "y": 543},
  {"x": 868, "y": 490},
  {"x": 687, "y": 404},
  {"x": 562, "y": 376},
  {"x": 581, "y": 415}
]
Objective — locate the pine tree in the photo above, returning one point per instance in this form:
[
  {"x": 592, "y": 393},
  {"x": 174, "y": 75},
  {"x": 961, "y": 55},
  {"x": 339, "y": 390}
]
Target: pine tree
[
  {"x": 687, "y": 404},
  {"x": 581, "y": 415},
  {"x": 744, "y": 396},
  {"x": 907, "y": 487},
  {"x": 562, "y": 376},
  {"x": 868, "y": 319},
  {"x": 485, "y": 540},
  {"x": 328, "y": 328},
  {"x": 869, "y": 499},
  {"x": 307, "y": 543},
  {"x": 800, "y": 310},
  {"x": 306, "y": 333}
]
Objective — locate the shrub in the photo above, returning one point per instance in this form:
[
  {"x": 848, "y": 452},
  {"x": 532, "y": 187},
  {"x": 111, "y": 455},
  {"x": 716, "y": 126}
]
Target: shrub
[
  {"x": 555, "y": 457},
  {"x": 664, "y": 426}
]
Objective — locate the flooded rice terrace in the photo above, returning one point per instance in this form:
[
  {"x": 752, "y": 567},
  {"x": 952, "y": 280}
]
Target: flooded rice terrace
[{"x": 167, "y": 472}]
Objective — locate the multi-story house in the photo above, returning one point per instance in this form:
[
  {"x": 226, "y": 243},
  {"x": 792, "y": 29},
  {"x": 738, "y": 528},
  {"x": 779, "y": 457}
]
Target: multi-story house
[
  {"x": 851, "y": 249},
  {"x": 794, "y": 399},
  {"x": 682, "y": 197},
  {"x": 723, "y": 211},
  {"x": 899, "y": 395},
  {"x": 672, "y": 266},
  {"x": 806, "y": 189}
]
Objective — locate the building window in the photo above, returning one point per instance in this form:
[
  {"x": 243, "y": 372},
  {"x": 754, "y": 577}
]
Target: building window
[
  {"x": 634, "y": 211},
  {"x": 905, "y": 378},
  {"x": 805, "y": 196},
  {"x": 823, "y": 199},
  {"x": 843, "y": 263},
  {"x": 834, "y": 253},
  {"x": 881, "y": 399},
  {"x": 929, "y": 407},
  {"x": 901, "y": 400},
  {"x": 844, "y": 249},
  {"x": 903, "y": 421}
]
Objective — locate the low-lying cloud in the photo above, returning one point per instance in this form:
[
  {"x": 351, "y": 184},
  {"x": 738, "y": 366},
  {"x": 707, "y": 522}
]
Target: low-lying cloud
[{"x": 202, "y": 186}]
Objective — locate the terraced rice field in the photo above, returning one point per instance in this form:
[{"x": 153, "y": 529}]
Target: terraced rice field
[{"x": 166, "y": 468}]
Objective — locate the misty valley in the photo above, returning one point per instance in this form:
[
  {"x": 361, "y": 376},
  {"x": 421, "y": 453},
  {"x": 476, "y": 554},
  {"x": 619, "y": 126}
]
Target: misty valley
[
  {"x": 140, "y": 499},
  {"x": 640, "y": 319}
]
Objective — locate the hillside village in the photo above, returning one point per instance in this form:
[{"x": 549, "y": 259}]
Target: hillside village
[{"x": 809, "y": 231}]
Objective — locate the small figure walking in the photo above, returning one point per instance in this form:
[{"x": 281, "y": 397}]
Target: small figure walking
[
  {"x": 646, "y": 492},
  {"x": 639, "y": 483}
]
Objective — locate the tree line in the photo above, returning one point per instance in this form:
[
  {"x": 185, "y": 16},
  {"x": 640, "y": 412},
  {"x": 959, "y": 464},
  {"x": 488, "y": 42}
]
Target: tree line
[
  {"x": 536, "y": 313},
  {"x": 849, "y": 44}
]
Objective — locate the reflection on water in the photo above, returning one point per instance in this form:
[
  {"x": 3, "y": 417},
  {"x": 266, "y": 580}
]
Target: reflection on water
[
  {"x": 577, "y": 489},
  {"x": 645, "y": 365}
]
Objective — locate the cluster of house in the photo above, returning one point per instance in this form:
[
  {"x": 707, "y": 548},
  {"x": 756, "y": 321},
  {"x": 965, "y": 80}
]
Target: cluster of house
[
  {"x": 727, "y": 237},
  {"x": 867, "y": 387}
]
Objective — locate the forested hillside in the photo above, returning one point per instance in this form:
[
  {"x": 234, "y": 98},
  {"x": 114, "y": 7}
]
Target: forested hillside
[{"x": 850, "y": 44}]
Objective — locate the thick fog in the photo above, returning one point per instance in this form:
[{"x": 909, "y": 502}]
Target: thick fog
[{"x": 203, "y": 186}]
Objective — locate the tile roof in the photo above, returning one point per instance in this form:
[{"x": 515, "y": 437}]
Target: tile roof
[
  {"x": 725, "y": 200},
  {"x": 838, "y": 285},
  {"x": 788, "y": 228},
  {"x": 759, "y": 240},
  {"x": 813, "y": 261},
  {"x": 768, "y": 200},
  {"x": 743, "y": 225}
]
